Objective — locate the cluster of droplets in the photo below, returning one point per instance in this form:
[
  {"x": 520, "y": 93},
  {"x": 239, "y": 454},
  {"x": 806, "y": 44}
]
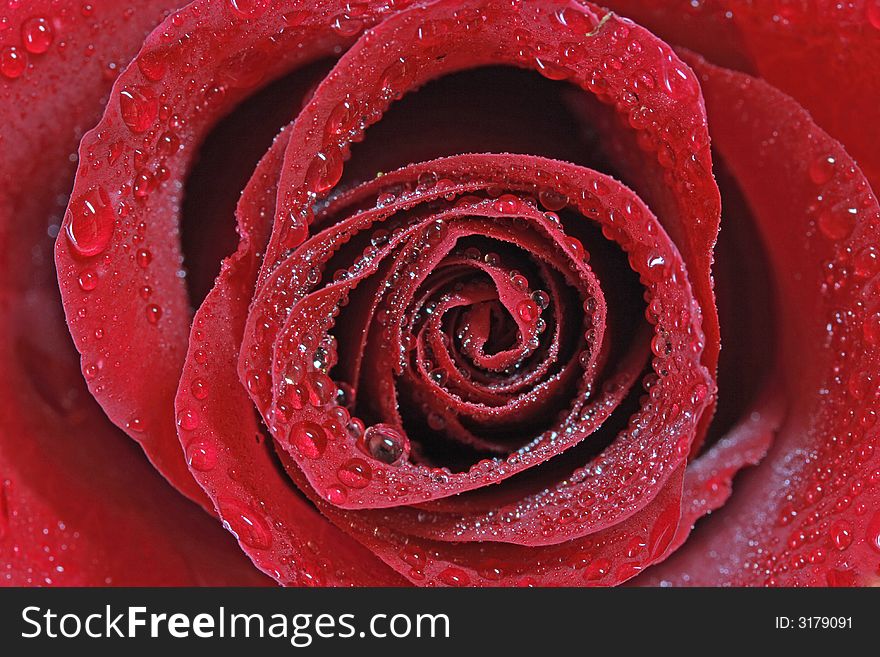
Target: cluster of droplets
[
  {"x": 310, "y": 388},
  {"x": 827, "y": 513},
  {"x": 589, "y": 563},
  {"x": 36, "y": 36}
]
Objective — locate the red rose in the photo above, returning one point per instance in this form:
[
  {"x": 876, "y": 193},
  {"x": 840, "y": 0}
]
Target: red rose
[{"x": 471, "y": 332}]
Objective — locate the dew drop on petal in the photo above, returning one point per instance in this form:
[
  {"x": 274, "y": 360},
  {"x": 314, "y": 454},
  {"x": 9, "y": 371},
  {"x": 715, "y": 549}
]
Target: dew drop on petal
[
  {"x": 201, "y": 455},
  {"x": 248, "y": 8},
  {"x": 527, "y": 310},
  {"x": 36, "y": 35},
  {"x": 841, "y": 534},
  {"x": 90, "y": 221},
  {"x": 88, "y": 280},
  {"x": 324, "y": 172},
  {"x": 13, "y": 62},
  {"x": 245, "y": 524},
  {"x": 139, "y": 108},
  {"x": 867, "y": 262},
  {"x": 188, "y": 420},
  {"x": 821, "y": 169},
  {"x": 153, "y": 64},
  {"x": 153, "y": 313},
  {"x": 385, "y": 443},
  {"x": 454, "y": 577},
  {"x": 199, "y": 389},
  {"x": 837, "y": 224},
  {"x": 355, "y": 473},
  {"x": 336, "y": 495},
  {"x": 309, "y": 439}
]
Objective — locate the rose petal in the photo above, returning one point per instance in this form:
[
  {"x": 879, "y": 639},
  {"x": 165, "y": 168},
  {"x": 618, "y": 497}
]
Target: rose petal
[
  {"x": 78, "y": 505},
  {"x": 822, "y": 54},
  {"x": 808, "y": 515}
]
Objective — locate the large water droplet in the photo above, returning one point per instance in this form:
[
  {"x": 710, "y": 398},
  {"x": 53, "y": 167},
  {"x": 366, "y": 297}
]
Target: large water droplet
[
  {"x": 324, "y": 172},
  {"x": 454, "y": 577},
  {"x": 188, "y": 420},
  {"x": 309, "y": 438},
  {"x": 528, "y": 310},
  {"x": 841, "y": 534},
  {"x": 245, "y": 524},
  {"x": 837, "y": 224},
  {"x": 139, "y": 108},
  {"x": 13, "y": 62},
  {"x": 153, "y": 64},
  {"x": 36, "y": 35},
  {"x": 201, "y": 455},
  {"x": 355, "y": 473},
  {"x": 90, "y": 220},
  {"x": 821, "y": 169},
  {"x": 385, "y": 443}
]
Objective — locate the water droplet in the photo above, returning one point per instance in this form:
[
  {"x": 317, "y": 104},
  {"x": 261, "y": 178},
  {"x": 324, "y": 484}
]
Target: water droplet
[
  {"x": 541, "y": 298},
  {"x": 574, "y": 18},
  {"x": 392, "y": 81},
  {"x": 322, "y": 390},
  {"x": 597, "y": 569},
  {"x": 841, "y": 534},
  {"x": 143, "y": 257},
  {"x": 552, "y": 200},
  {"x": 309, "y": 438},
  {"x": 135, "y": 425},
  {"x": 454, "y": 577},
  {"x": 821, "y": 169},
  {"x": 385, "y": 443},
  {"x": 168, "y": 144},
  {"x": 201, "y": 455},
  {"x": 153, "y": 313},
  {"x": 245, "y": 524},
  {"x": 88, "y": 280},
  {"x": 508, "y": 204},
  {"x": 199, "y": 388},
  {"x": 427, "y": 180},
  {"x": 675, "y": 79},
  {"x": 13, "y": 62},
  {"x": 188, "y": 420},
  {"x": 342, "y": 119},
  {"x": 578, "y": 247},
  {"x": 89, "y": 222},
  {"x": 153, "y": 64},
  {"x": 336, "y": 495},
  {"x": 248, "y": 8},
  {"x": 346, "y": 26},
  {"x": 867, "y": 262},
  {"x": 139, "y": 108},
  {"x": 355, "y": 473},
  {"x": 324, "y": 172},
  {"x": 527, "y": 310},
  {"x": 551, "y": 70},
  {"x": 837, "y": 224},
  {"x": 37, "y": 35}
]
